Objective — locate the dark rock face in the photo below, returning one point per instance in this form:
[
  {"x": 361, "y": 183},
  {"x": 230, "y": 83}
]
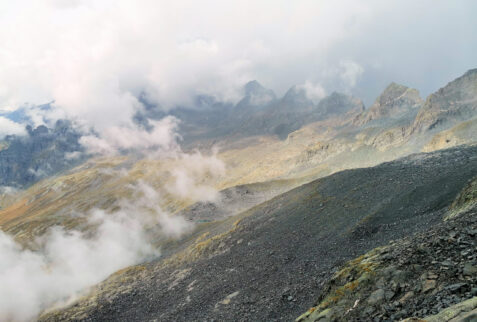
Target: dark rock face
[
  {"x": 41, "y": 153},
  {"x": 274, "y": 262}
]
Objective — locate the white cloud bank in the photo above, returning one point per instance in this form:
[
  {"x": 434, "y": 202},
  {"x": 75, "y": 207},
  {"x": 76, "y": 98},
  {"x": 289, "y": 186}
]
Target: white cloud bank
[
  {"x": 113, "y": 139},
  {"x": 68, "y": 262},
  {"x": 93, "y": 58},
  {"x": 313, "y": 91},
  {"x": 9, "y": 127}
]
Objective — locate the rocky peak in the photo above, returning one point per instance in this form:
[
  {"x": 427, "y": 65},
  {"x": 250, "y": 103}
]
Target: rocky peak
[
  {"x": 40, "y": 130},
  {"x": 457, "y": 101},
  {"x": 253, "y": 87},
  {"x": 471, "y": 73},
  {"x": 256, "y": 95},
  {"x": 296, "y": 97},
  {"x": 391, "y": 92},
  {"x": 462, "y": 87},
  {"x": 395, "y": 99}
]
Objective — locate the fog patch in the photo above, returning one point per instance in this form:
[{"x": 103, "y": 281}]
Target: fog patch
[
  {"x": 114, "y": 139},
  {"x": 66, "y": 263},
  {"x": 313, "y": 91},
  {"x": 350, "y": 72},
  {"x": 73, "y": 155},
  {"x": 190, "y": 173},
  {"x": 9, "y": 127}
]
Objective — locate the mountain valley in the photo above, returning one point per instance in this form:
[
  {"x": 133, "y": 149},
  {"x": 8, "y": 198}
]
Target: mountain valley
[{"x": 285, "y": 205}]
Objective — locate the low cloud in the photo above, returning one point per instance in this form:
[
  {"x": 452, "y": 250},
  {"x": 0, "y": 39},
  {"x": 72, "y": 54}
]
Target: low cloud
[
  {"x": 350, "y": 72},
  {"x": 261, "y": 99},
  {"x": 114, "y": 139},
  {"x": 189, "y": 175},
  {"x": 68, "y": 262},
  {"x": 8, "y": 127},
  {"x": 73, "y": 155},
  {"x": 93, "y": 58},
  {"x": 313, "y": 91}
]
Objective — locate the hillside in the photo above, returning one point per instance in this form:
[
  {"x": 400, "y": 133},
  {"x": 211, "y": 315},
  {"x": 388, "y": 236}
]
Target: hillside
[
  {"x": 268, "y": 263},
  {"x": 431, "y": 275}
]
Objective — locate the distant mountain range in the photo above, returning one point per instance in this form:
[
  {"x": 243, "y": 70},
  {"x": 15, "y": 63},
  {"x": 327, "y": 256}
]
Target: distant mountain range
[
  {"x": 260, "y": 112},
  {"x": 399, "y": 112}
]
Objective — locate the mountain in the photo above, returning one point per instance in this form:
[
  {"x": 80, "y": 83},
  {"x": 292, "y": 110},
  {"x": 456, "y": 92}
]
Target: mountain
[
  {"x": 395, "y": 100},
  {"x": 456, "y": 102},
  {"x": 294, "y": 110},
  {"x": 269, "y": 263},
  {"x": 295, "y": 99},
  {"x": 43, "y": 152},
  {"x": 258, "y": 112},
  {"x": 255, "y": 95}
]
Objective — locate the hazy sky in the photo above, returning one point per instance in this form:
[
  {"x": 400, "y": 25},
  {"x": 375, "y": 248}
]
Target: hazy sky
[{"x": 94, "y": 57}]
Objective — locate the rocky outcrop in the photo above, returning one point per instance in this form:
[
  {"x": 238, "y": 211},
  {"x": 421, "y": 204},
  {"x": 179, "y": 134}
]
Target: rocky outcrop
[
  {"x": 417, "y": 277},
  {"x": 462, "y": 133},
  {"x": 456, "y": 102},
  {"x": 465, "y": 311},
  {"x": 395, "y": 100}
]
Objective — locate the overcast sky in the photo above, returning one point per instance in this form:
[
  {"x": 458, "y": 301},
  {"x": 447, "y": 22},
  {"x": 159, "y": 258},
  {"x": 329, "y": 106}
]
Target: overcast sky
[{"x": 94, "y": 57}]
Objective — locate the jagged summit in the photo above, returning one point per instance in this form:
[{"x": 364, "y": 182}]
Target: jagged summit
[
  {"x": 296, "y": 97},
  {"x": 255, "y": 95},
  {"x": 471, "y": 72},
  {"x": 254, "y": 87},
  {"x": 455, "y": 102},
  {"x": 395, "y": 99},
  {"x": 391, "y": 92}
]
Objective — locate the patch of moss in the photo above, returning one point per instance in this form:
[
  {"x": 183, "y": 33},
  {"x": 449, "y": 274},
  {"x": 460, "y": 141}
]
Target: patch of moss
[{"x": 355, "y": 274}]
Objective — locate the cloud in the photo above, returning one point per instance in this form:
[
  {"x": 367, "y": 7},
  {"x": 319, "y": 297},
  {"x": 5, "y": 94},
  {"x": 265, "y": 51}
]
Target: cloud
[
  {"x": 7, "y": 190},
  {"x": 350, "y": 72},
  {"x": 94, "y": 58},
  {"x": 9, "y": 127},
  {"x": 189, "y": 174},
  {"x": 72, "y": 155},
  {"x": 313, "y": 91},
  {"x": 261, "y": 99},
  {"x": 67, "y": 262},
  {"x": 113, "y": 139}
]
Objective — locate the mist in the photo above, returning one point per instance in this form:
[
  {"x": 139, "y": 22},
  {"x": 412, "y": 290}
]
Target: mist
[{"x": 65, "y": 263}]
